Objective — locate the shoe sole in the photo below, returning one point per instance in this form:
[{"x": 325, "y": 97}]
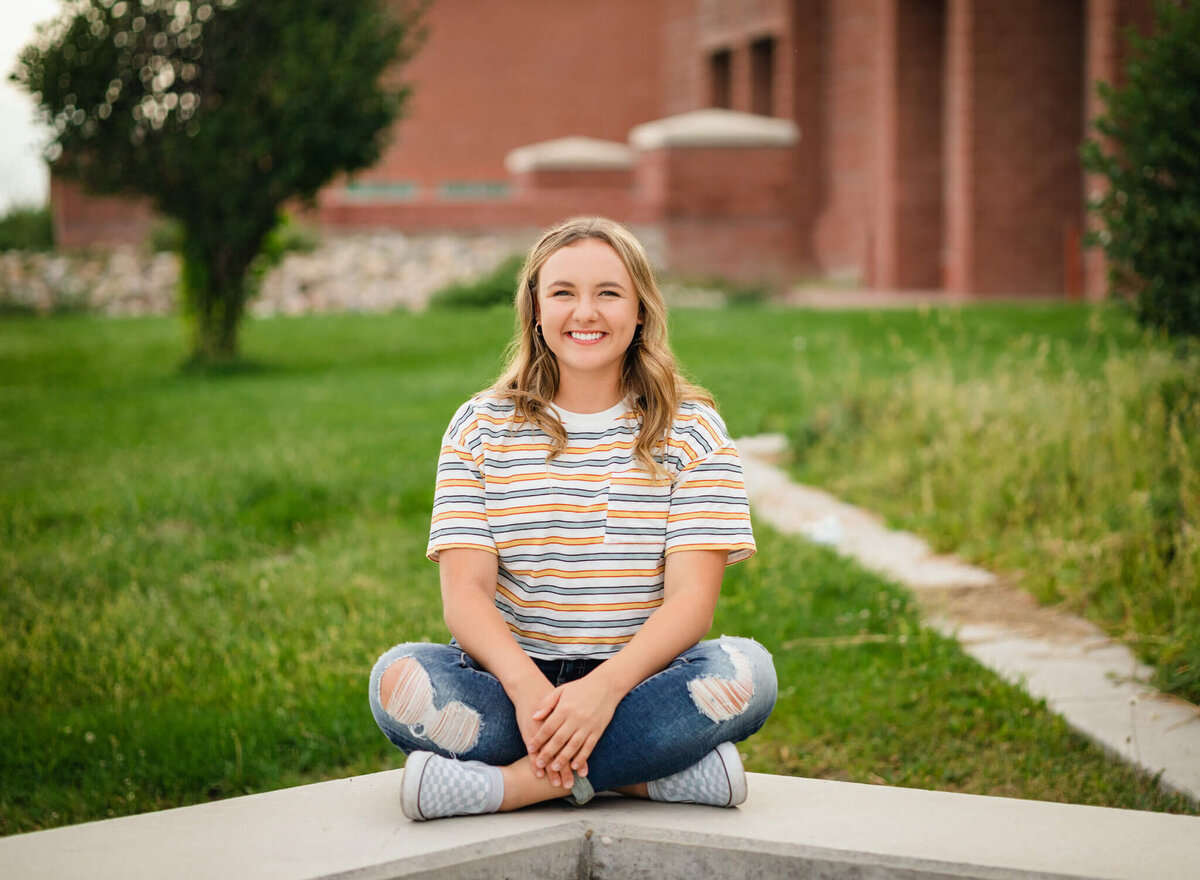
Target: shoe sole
[
  {"x": 734, "y": 772},
  {"x": 410, "y": 786}
]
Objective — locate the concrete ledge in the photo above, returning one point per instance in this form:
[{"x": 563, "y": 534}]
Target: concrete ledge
[
  {"x": 570, "y": 154},
  {"x": 715, "y": 128},
  {"x": 788, "y": 827}
]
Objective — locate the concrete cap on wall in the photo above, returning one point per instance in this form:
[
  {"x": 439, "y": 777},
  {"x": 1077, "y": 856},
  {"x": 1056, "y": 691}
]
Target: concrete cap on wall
[
  {"x": 715, "y": 128},
  {"x": 570, "y": 154}
]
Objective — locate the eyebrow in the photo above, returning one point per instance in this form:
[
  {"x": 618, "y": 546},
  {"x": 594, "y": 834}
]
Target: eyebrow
[{"x": 601, "y": 284}]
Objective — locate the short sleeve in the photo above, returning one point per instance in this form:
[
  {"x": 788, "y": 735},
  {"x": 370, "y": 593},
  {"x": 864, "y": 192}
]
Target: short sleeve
[
  {"x": 459, "y": 501},
  {"x": 709, "y": 508}
]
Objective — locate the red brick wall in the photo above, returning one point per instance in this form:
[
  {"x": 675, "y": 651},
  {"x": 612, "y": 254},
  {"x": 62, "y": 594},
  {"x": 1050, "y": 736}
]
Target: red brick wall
[
  {"x": 723, "y": 211},
  {"x": 1019, "y": 139},
  {"x": 907, "y": 235},
  {"x": 81, "y": 220},
  {"x": 694, "y": 29},
  {"x": 809, "y": 63},
  {"x": 842, "y": 234},
  {"x": 497, "y": 75}
]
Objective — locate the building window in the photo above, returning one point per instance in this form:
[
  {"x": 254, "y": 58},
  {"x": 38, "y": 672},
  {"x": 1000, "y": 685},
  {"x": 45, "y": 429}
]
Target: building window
[
  {"x": 719, "y": 74},
  {"x": 762, "y": 76},
  {"x": 472, "y": 190},
  {"x": 382, "y": 191}
]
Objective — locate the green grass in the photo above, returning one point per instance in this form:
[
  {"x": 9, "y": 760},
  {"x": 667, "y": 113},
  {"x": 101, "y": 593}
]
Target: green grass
[
  {"x": 197, "y": 571},
  {"x": 1065, "y": 455}
]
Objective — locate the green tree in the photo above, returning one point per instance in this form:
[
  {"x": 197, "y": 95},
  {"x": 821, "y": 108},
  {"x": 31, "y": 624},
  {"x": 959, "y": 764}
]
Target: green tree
[
  {"x": 221, "y": 112},
  {"x": 1150, "y": 154}
]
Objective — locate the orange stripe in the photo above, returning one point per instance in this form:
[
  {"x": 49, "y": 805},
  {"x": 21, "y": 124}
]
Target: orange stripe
[
  {"x": 532, "y": 542},
  {"x": 517, "y": 447},
  {"x": 493, "y": 420},
  {"x": 488, "y": 547},
  {"x": 453, "y": 514},
  {"x": 548, "y": 508},
  {"x": 729, "y": 547},
  {"x": 559, "y": 606},
  {"x": 565, "y": 640},
  {"x": 633, "y": 514},
  {"x": 728, "y": 484},
  {"x": 678, "y": 517},
  {"x": 474, "y": 484},
  {"x": 589, "y": 573},
  {"x": 562, "y": 478},
  {"x": 466, "y": 457}
]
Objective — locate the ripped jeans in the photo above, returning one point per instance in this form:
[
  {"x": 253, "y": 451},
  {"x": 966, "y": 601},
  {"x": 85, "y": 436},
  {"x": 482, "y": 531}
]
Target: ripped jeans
[{"x": 717, "y": 691}]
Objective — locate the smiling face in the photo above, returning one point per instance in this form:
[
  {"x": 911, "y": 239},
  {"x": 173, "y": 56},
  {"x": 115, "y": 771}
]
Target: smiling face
[{"x": 588, "y": 309}]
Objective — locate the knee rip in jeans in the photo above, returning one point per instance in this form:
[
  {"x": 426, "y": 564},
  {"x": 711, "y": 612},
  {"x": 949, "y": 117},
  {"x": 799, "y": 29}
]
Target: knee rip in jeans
[
  {"x": 406, "y": 694},
  {"x": 721, "y": 699}
]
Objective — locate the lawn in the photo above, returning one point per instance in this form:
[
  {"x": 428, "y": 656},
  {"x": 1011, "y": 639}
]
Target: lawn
[{"x": 197, "y": 571}]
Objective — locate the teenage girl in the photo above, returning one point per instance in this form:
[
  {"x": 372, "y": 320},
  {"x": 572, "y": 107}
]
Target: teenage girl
[{"x": 586, "y": 507}]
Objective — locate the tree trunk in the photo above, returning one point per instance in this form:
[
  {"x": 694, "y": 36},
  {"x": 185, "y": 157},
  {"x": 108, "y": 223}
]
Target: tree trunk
[{"x": 213, "y": 285}]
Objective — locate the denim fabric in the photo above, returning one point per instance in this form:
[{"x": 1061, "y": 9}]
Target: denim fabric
[{"x": 661, "y": 726}]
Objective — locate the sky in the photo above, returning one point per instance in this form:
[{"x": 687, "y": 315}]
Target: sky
[{"x": 23, "y": 178}]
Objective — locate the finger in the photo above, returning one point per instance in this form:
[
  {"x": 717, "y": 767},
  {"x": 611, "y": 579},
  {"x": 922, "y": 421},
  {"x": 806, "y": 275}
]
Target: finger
[
  {"x": 566, "y": 755},
  {"x": 543, "y": 735},
  {"x": 579, "y": 763},
  {"x": 546, "y": 706},
  {"x": 550, "y": 750}
]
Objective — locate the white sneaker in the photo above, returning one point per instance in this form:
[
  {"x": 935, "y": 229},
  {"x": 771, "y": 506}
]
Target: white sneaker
[
  {"x": 718, "y": 779},
  {"x": 434, "y": 787}
]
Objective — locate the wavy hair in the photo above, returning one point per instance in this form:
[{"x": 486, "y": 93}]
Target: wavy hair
[{"x": 650, "y": 378}]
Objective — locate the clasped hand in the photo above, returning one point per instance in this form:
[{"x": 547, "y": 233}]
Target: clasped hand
[{"x": 572, "y": 718}]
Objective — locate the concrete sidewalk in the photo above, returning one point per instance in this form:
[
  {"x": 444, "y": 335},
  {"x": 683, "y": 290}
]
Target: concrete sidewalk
[{"x": 1094, "y": 683}]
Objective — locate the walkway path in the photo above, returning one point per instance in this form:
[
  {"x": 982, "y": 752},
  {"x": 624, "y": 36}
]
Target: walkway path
[{"x": 1094, "y": 683}]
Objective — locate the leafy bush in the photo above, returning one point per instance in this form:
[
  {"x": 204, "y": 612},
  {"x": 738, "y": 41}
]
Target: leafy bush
[
  {"x": 496, "y": 288},
  {"x": 1151, "y": 158},
  {"x": 26, "y": 228}
]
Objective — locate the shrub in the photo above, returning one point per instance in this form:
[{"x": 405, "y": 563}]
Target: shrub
[
  {"x": 496, "y": 288},
  {"x": 27, "y": 228},
  {"x": 1150, "y": 155}
]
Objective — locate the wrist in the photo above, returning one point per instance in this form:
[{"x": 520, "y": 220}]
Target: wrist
[
  {"x": 524, "y": 679},
  {"x": 610, "y": 677}
]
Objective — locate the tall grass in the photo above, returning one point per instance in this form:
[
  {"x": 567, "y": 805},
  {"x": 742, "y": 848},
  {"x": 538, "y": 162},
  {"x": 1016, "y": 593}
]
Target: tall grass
[
  {"x": 197, "y": 571},
  {"x": 1074, "y": 467}
]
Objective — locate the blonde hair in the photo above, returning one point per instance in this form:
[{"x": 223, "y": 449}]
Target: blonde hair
[{"x": 650, "y": 379}]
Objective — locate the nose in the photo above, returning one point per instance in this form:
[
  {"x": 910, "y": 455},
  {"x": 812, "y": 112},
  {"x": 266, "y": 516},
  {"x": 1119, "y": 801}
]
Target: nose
[{"x": 585, "y": 308}]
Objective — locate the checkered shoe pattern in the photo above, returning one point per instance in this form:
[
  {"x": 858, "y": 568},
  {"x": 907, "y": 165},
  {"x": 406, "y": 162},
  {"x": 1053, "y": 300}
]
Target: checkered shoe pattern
[
  {"x": 435, "y": 787},
  {"x": 716, "y": 779}
]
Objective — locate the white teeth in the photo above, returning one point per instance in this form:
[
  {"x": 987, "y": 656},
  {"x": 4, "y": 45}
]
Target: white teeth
[{"x": 586, "y": 337}]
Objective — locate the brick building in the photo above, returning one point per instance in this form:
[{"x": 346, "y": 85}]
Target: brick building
[{"x": 905, "y": 143}]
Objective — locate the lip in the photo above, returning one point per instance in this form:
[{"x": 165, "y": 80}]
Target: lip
[{"x": 570, "y": 334}]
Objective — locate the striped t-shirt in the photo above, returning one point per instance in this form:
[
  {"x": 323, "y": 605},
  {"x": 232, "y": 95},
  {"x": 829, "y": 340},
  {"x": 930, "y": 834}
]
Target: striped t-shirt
[{"x": 582, "y": 539}]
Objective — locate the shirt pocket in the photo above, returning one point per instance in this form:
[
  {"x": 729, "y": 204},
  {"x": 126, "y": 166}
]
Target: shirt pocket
[{"x": 638, "y": 506}]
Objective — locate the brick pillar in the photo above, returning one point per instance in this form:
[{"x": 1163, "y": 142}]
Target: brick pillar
[
  {"x": 958, "y": 141},
  {"x": 719, "y": 183},
  {"x": 1015, "y": 93},
  {"x": 808, "y": 89},
  {"x": 907, "y": 239}
]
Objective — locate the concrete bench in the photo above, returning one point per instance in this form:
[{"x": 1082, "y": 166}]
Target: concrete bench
[{"x": 788, "y": 828}]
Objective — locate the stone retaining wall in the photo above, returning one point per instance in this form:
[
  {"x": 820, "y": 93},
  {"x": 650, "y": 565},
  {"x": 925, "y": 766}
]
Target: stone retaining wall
[{"x": 345, "y": 273}]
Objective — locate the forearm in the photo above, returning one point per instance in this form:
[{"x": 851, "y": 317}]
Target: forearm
[
  {"x": 476, "y": 624},
  {"x": 668, "y": 632},
  {"x": 692, "y": 585}
]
